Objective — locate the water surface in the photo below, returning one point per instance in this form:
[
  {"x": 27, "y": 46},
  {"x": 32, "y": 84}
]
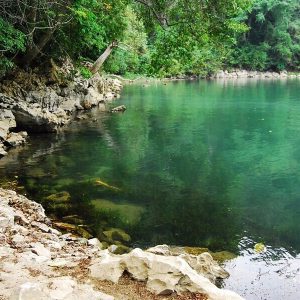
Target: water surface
[{"x": 210, "y": 164}]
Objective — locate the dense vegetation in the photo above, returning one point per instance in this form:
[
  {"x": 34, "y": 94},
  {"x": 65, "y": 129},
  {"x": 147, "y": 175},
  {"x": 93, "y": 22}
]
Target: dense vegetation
[{"x": 152, "y": 37}]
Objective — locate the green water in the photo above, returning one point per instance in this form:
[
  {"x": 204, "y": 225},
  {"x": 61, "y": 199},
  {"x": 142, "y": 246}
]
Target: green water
[{"x": 197, "y": 163}]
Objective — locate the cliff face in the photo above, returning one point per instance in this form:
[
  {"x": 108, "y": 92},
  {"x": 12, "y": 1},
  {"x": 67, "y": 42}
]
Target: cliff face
[
  {"x": 36, "y": 103},
  {"x": 39, "y": 262}
]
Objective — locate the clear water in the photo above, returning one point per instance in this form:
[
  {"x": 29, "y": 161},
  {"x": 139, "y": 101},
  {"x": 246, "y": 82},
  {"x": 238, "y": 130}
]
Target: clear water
[{"x": 210, "y": 164}]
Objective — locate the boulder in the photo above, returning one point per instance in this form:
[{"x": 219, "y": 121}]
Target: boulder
[
  {"x": 120, "y": 108},
  {"x": 163, "y": 274}
]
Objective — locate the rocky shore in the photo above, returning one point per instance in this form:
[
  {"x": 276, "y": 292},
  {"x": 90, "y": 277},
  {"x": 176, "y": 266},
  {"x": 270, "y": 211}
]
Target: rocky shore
[
  {"x": 234, "y": 74},
  {"x": 39, "y": 262},
  {"x": 30, "y": 102}
]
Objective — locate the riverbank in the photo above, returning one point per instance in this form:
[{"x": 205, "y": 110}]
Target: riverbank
[
  {"x": 33, "y": 102},
  {"x": 39, "y": 262}
]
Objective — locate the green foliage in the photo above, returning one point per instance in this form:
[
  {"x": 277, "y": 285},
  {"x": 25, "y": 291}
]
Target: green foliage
[
  {"x": 85, "y": 72},
  {"x": 11, "y": 41},
  {"x": 251, "y": 56},
  {"x": 132, "y": 55},
  {"x": 274, "y": 37},
  {"x": 94, "y": 25}
]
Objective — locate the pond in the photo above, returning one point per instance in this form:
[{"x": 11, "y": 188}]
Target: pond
[{"x": 211, "y": 164}]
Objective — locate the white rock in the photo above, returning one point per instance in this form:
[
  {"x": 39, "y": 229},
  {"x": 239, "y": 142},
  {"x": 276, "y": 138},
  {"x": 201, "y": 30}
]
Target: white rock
[
  {"x": 5, "y": 251},
  {"x": 43, "y": 227},
  {"x": 95, "y": 243},
  {"x": 18, "y": 239},
  {"x": 40, "y": 250},
  {"x": 62, "y": 288},
  {"x": 164, "y": 274},
  {"x": 6, "y": 218},
  {"x": 107, "y": 267},
  {"x": 29, "y": 291},
  {"x": 61, "y": 262}
]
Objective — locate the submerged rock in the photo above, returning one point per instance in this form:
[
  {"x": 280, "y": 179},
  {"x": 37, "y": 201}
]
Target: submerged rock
[
  {"x": 116, "y": 234},
  {"x": 77, "y": 230},
  {"x": 120, "y": 108},
  {"x": 128, "y": 213},
  {"x": 60, "y": 197}
]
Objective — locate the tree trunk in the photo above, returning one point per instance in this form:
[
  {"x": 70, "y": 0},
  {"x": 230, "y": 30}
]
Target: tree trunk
[
  {"x": 102, "y": 58},
  {"x": 34, "y": 50}
]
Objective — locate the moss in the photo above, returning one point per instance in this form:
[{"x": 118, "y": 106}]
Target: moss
[
  {"x": 195, "y": 250},
  {"x": 222, "y": 256}
]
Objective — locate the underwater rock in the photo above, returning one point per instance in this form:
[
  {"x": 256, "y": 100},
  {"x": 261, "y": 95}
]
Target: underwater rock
[
  {"x": 83, "y": 232},
  {"x": 60, "y": 197},
  {"x": 116, "y": 234},
  {"x": 118, "y": 249},
  {"x": 129, "y": 214},
  {"x": 78, "y": 230},
  {"x": 65, "y": 226},
  {"x": 73, "y": 219},
  {"x": 220, "y": 256}
]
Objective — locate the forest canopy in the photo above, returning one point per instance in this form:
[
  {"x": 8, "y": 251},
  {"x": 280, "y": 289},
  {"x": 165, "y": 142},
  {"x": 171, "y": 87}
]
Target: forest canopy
[{"x": 151, "y": 37}]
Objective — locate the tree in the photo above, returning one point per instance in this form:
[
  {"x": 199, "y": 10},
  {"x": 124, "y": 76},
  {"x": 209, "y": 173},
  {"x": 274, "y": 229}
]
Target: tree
[{"x": 273, "y": 41}]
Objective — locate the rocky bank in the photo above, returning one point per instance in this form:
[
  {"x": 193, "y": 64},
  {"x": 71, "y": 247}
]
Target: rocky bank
[
  {"x": 31, "y": 102},
  {"x": 39, "y": 262},
  {"x": 237, "y": 73}
]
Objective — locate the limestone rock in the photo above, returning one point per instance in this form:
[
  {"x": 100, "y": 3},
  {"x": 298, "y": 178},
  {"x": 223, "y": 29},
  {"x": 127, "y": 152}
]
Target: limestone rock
[
  {"x": 163, "y": 274},
  {"x": 62, "y": 288},
  {"x": 40, "y": 250},
  {"x": 107, "y": 267},
  {"x": 95, "y": 243}
]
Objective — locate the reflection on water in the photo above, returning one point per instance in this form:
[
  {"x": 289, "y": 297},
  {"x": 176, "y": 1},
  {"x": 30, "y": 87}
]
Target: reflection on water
[
  {"x": 189, "y": 163},
  {"x": 273, "y": 274}
]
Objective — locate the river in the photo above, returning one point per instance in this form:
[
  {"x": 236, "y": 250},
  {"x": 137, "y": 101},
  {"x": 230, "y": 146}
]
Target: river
[{"x": 211, "y": 164}]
